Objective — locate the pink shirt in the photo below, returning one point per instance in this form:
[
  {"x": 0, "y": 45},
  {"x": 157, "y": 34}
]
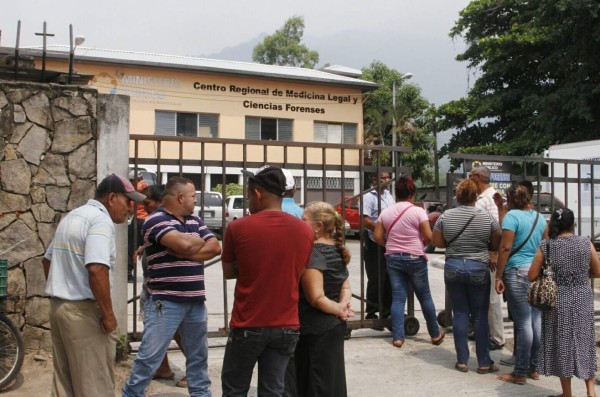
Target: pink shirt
[{"x": 405, "y": 236}]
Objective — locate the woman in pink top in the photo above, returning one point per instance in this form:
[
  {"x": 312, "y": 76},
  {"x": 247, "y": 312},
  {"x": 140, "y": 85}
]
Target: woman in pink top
[{"x": 404, "y": 231}]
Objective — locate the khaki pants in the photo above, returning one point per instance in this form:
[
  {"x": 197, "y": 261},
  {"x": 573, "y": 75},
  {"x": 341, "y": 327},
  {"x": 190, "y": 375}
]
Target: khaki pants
[{"x": 83, "y": 356}]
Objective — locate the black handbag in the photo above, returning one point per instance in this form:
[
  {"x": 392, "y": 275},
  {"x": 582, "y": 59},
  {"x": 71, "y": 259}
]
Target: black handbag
[{"x": 543, "y": 291}]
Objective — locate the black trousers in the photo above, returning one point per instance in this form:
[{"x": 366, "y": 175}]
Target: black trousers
[{"x": 375, "y": 266}]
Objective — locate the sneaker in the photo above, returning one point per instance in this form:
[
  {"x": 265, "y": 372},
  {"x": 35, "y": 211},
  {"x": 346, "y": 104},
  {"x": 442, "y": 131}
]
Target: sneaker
[
  {"x": 510, "y": 362},
  {"x": 495, "y": 346}
]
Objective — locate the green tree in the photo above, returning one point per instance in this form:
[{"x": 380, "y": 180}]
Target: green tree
[
  {"x": 231, "y": 189},
  {"x": 284, "y": 47},
  {"x": 538, "y": 76},
  {"x": 409, "y": 115}
]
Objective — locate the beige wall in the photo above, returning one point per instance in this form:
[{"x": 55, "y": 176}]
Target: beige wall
[{"x": 154, "y": 89}]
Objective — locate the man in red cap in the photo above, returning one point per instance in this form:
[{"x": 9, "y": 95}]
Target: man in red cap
[
  {"x": 79, "y": 266},
  {"x": 266, "y": 252}
]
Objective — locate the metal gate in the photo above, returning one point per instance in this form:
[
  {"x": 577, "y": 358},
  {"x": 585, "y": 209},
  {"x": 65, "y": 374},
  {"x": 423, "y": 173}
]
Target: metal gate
[{"x": 327, "y": 172}]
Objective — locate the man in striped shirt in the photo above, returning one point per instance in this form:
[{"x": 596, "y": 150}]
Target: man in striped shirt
[
  {"x": 177, "y": 243},
  {"x": 485, "y": 201}
]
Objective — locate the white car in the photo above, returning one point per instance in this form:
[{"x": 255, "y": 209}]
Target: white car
[
  {"x": 213, "y": 210},
  {"x": 234, "y": 207}
]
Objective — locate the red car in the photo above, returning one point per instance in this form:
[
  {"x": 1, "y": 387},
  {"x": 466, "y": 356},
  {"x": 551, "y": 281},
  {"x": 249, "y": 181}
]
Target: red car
[{"x": 351, "y": 212}]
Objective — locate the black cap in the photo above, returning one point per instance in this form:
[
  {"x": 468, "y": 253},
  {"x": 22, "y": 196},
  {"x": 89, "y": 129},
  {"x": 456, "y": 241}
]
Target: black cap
[
  {"x": 117, "y": 184},
  {"x": 270, "y": 178}
]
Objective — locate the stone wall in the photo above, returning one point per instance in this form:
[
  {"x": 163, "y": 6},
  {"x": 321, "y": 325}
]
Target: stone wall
[{"x": 48, "y": 154}]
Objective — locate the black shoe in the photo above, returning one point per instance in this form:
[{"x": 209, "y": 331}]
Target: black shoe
[
  {"x": 371, "y": 316},
  {"x": 495, "y": 346}
]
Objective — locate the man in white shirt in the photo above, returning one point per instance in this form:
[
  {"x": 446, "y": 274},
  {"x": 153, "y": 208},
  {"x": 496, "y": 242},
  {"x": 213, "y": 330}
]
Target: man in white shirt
[
  {"x": 485, "y": 201},
  {"x": 79, "y": 267},
  {"x": 374, "y": 254}
]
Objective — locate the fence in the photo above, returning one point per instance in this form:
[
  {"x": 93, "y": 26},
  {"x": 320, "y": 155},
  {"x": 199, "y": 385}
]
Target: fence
[{"x": 326, "y": 172}]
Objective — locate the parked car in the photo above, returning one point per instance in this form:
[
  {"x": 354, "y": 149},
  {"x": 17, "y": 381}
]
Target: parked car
[
  {"x": 351, "y": 213},
  {"x": 149, "y": 176},
  {"x": 234, "y": 207},
  {"x": 213, "y": 210}
]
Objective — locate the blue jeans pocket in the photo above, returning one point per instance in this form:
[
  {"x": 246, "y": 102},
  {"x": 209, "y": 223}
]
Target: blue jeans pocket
[
  {"x": 478, "y": 278},
  {"x": 450, "y": 276},
  {"x": 245, "y": 335}
]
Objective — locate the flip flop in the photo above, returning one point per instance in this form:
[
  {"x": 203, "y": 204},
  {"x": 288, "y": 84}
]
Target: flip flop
[
  {"x": 182, "y": 382},
  {"x": 511, "y": 378},
  {"x": 487, "y": 370},
  {"x": 439, "y": 339},
  {"x": 461, "y": 367}
]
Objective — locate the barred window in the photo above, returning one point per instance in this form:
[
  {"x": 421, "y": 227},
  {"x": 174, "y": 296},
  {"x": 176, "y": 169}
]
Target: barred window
[
  {"x": 186, "y": 124},
  {"x": 268, "y": 129},
  {"x": 334, "y": 132}
]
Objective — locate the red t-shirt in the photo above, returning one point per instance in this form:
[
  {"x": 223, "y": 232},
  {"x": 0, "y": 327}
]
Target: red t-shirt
[{"x": 271, "y": 250}]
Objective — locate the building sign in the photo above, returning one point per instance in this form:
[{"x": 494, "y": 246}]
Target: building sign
[
  {"x": 271, "y": 96},
  {"x": 500, "y": 173}
]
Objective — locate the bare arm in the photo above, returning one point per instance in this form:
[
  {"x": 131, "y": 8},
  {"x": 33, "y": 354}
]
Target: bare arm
[
  {"x": 46, "y": 264},
  {"x": 182, "y": 244},
  {"x": 425, "y": 230},
  {"x": 536, "y": 266},
  {"x": 209, "y": 250},
  {"x": 437, "y": 239},
  {"x": 594, "y": 263},
  {"x": 312, "y": 285},
  {"x": 229, "y": 270},
  {"x": 100, "y": 286},
  {"x": 506, "y": 242},
  {"x": 379, "y": 234},
  {"x": 368, "y": 223}
]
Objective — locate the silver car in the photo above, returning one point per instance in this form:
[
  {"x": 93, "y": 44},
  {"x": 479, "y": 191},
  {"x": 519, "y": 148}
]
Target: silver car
[{"x": 212, "y": 215}]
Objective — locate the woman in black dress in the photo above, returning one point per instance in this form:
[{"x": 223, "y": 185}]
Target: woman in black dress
[{"x": 568, "y": 338}]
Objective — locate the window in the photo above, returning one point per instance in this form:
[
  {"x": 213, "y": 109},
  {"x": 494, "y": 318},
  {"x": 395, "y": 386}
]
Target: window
[
  {"x": 334, "y": 132},
  {"x": 186, "y": 124},
  {"x": 260, "y": 128}
]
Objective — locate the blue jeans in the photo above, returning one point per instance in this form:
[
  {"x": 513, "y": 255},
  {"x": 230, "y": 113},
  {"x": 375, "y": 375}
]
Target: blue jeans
[
  {"x": 404, "y": 269},
  {"x": 468, "y": 285},
  {"x": 270, "y": 347},
  {"x": 161, "y": 320},
  {"x": 527, "y": 320}
]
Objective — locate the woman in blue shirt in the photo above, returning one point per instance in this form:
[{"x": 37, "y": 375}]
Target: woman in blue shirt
[{"x": 522, "y": 231}]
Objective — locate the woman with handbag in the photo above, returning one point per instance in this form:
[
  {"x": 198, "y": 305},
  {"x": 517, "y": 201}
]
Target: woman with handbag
[
  {"x": 522, "y": 231},
  {"x": 568, "y": 338},
  {"x": 468, "y": 234},
  {"x": 408, "y": 232}
]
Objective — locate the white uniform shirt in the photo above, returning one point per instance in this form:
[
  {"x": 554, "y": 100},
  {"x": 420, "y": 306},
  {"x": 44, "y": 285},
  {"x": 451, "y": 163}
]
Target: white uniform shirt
[
  {"x": 86, "y": 235},
  {"x": 485, "y": 201},
  {"x": 371, "y": 205}
]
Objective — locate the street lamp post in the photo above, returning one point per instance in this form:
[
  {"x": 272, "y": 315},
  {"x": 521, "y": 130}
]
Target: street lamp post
[
  {"x": 405, "y": 76},
  {"x": 73, "y": 44}
]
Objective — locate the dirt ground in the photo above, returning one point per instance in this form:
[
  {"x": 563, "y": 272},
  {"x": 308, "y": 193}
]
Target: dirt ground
[{"x": 35, "y": 379}]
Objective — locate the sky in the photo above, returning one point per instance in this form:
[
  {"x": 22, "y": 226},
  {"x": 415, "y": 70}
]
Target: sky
[{"x": 407, "y": 35}]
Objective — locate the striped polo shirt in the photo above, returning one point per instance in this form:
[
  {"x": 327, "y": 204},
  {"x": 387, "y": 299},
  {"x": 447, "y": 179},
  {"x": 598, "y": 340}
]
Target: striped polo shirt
[{"x": 169, "y": 277}]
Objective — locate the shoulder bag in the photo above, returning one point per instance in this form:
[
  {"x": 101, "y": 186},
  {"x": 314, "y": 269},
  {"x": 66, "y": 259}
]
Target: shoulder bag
[
  {"x": 514, "y": 251},
  {"x": 461, "y": 230},
  {"x": 543, "y": 291},
  {"x": 398, "y": 218}
]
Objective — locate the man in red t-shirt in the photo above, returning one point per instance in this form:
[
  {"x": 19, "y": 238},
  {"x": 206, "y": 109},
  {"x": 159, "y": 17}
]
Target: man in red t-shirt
[{"x": 266, "y": 252}]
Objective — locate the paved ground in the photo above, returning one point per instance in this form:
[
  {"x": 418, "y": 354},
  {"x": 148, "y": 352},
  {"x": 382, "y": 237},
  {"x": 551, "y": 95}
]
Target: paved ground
[{"x": 373, "y": 366}]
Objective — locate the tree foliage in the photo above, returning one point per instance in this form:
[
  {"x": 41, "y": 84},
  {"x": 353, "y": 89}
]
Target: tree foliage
[
  {"x": 538, "y": 76},
  {"x": 410, "y": 116},
  {"x": 284, "y": 47}
]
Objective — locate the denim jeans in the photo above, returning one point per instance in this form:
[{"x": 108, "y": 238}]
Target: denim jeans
[
  {"x": 527, "y": 320},
  {"x": 161, "y": 320},
  {"x": 468, "y": 285},
  {"x": 270, "y": 347},
  {"x": 404, "y": 269}
]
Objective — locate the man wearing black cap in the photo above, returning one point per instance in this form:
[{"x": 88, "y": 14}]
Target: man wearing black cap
[
  {"x": 266, "y": 252},
  {"x": 79, "y": 267}
]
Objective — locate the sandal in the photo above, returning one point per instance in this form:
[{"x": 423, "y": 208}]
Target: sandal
[
  {"x": 461, "y": 367},
  {"x": 512, "y": 378},
  {"x": 182, "y": 382},
  {"x": 487, "y": 370},
  {"x": 398, "y": 343},
  {"x": 439, "y": 339},
  {"x": 533, "y": 374}
]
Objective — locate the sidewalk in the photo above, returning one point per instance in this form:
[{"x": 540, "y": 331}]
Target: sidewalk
[{"x": 373, "y": 366}]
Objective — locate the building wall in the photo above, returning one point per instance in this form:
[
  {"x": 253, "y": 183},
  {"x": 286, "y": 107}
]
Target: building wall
[{"x": 153, "y": 88}]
